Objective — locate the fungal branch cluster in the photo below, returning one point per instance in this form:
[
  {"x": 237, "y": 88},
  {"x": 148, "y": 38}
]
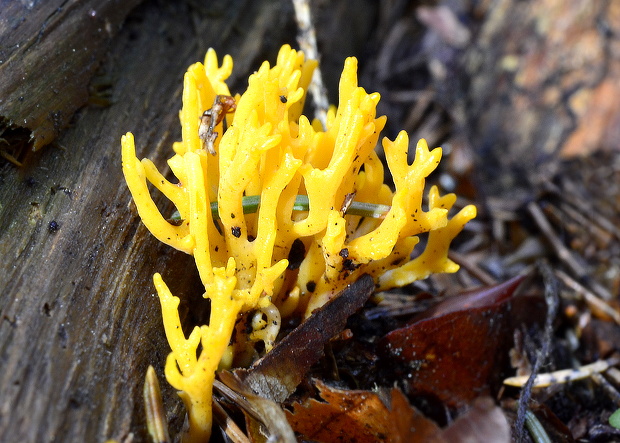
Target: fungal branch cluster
[{"x": 301, "y": 242}]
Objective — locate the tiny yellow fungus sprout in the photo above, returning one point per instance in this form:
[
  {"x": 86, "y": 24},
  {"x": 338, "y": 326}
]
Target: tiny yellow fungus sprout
[{"x": 280, "y": 214}]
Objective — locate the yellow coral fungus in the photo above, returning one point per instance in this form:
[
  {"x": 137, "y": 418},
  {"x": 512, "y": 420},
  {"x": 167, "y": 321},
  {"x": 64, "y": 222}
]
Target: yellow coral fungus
[{"x": 304, "y": 240}]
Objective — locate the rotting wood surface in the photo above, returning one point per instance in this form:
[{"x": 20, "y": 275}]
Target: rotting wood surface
[
  {"x": 79, "y": 322},
  {"x": 48, "y": 53}
]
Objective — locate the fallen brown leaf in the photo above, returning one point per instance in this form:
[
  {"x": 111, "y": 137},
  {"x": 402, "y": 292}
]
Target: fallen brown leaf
[
  {"x": 360, "y": 416},
  {"x": 484, "y": 422},
  {"x": 457, "y": 354}
]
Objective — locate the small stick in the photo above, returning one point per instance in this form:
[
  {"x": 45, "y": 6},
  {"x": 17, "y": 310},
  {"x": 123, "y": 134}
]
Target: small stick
[
  {"x": 307, "y": 42},
  {"x": 237, "y": 399},
  {"x": 229, "y": 426},
  {"x": 584, "y": 207},
  {"x": 595, "y": 303},
  {"x": 598, "y": 232},
  {"x": 552, "y": 300},
  {"x": 562, "y": 251},
  {"x": 609, "y": 389},
  {"x": 564, "y": 375},
  {"x": 472, "y": 268}
]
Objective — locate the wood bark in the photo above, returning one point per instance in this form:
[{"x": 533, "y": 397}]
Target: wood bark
[
  {"x": 53, "y": 47},
  {"x": 79, "y": 322}
]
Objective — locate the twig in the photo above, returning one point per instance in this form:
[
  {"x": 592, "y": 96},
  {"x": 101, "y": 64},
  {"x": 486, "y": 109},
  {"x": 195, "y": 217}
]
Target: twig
[
  {"x": 552, "y": 300},
  {"x": 9, "y": 157},
  {"x": 472, "y": 268},
  {"x": 237, "y": 399},
  {"x": 583, "y": 206},
  {"x": 564, "y": 375},
  {"x": 601, "y": 235},
  {"x": 307, "y": 42},
  {"x": 231, "y": 429},
  {"x": 384, "y": 62},
  {"x": 562, "y": 251},
  {"x": 611, "y": 392},
  {"x": 595, "y": 303},
  {"x": 614, "y": 375}
]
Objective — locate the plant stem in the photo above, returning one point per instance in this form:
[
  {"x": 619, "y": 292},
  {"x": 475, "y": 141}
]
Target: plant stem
[{"x": 252, "y": 202}]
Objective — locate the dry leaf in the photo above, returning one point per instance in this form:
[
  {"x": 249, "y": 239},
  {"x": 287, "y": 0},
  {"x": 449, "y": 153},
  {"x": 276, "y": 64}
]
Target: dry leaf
[
  {"x": 484, "y": 422},
  {"x": 458, "y": 353},
  {"x": 360, "y": 416}
]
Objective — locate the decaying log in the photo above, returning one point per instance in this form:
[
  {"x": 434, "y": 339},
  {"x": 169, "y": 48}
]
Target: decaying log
[
  {"x": 48, "y": 53},
  {"x": 79, "y": 323}
]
